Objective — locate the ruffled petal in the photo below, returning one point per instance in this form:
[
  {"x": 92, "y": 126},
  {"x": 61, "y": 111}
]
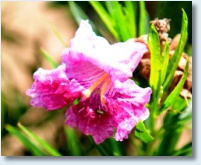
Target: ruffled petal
[
  {"x": 52, "y": 89},
  {"x": 127, "y": 103},
  {"x": 126, "y": 121},
  {"x": 130, "y": 92},
  {"x": 89, "y": 121},
  {"x": 123, "y": 107},
  {"x": 118, "y": 60},
  {"x": 129, "y": 54}
]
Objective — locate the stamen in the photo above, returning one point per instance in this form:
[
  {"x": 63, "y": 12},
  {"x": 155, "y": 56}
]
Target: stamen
[
  {"x": 103, "y": 89},
  {"x": 88, "y": 91},
  {"x": 100, "y": 111}
]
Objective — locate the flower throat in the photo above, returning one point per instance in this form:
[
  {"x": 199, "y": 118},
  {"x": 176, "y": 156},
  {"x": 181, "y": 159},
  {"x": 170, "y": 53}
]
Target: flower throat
[{"x": 105, "y": 79}]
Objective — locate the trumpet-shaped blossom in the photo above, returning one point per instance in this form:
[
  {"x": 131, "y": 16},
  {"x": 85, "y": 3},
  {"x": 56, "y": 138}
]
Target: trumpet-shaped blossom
[{"x": 98, "y": 74}]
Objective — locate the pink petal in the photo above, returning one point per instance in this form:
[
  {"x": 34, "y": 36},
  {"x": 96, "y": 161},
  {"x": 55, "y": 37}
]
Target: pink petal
[
  {"x": 83, "y": 71},
  {"x": 89, "y": 121},
  {"x": 86, "y": 64},
  {"x": 127, "y": 103},
  {"x": 126, "y": 121},
  {"x": 119, "y": 60},
  {"x": 129, "y": 54},
  {"x": 52, "y": 89},
  {"x": 124, "y": 107},
  {"x": 130, "y": 92}
]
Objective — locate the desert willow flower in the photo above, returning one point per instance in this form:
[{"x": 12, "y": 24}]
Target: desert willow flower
[{"x": 98, "y": 74}]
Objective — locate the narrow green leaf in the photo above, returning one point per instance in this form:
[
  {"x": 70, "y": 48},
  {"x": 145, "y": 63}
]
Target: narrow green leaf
[
  {"x": 131, "y": 15},
  {"x": 156, "y": 64},
  {"x": 142, "y": 133},
  {"x": 180, "y": 104},
  {"x": 120, "y": 20},
  {"x": 169, "y": 140},
  {"x": 115, "y": 148},
  {"x": 100, "y": 148},
  {"x": 105, "y": 17},
  {"x": 144, "y": 19},
  {"x": 178, "y": 52},
  {"x": 165, "y": 56},
  {"x": 53, "y": 63},
  {"x": 184, "y": 151},
  {"x": 102, "y": 151},
  {"x": 73, "y": 143},
  {"x": 77, "y": 12},
  {"x": 110, "y": 9},
  {"x": 25, "y": 140},
  {"x": 42, "y": 142},
  {"x": 174, "y": 94},
  {"x": 123, "y": 19},
  {"x": 170, "y": 137},
  {"x": 112, "y": 13},
  {"x": 79, "y": 15},
  {"x": 56, "y": 32}
]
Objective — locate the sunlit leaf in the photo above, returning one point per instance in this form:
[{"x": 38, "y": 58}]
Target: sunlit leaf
[
  {"x": 42, "y": 142},
  {"x": 184, "y": 151},
  {"x": 131, "y": 10},
  {"x": 73, "y": 143},
  {"x": 50, "y": 60},
  {"x": 156, "y": 60},
  {"x": 165, "y": 56},
  {"x": 142, "y": 133},
  {"x": 25, "y": 140},
  {"x": 178, "y": 52},
  {"x": 105, "y": 17},
  {"x": 143, "y": 19},
  {"x": 120, "y": 19},
  {"x": 80, "y": 15},
  {"x": 175, "y": 93},
  {"x": 179, "y": 104},
  {"x": 56, "y": 32}
]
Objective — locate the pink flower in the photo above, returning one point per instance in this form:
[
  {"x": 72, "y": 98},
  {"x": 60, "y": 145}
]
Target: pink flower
[{"x": 97, "y": 73}]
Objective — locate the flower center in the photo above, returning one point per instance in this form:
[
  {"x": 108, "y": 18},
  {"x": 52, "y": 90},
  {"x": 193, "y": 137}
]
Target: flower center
[{"x": 105, "y": 79}]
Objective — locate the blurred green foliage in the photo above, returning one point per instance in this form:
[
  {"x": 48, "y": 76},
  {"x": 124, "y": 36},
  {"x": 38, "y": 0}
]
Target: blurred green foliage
[{"x": 155, "y": 9}]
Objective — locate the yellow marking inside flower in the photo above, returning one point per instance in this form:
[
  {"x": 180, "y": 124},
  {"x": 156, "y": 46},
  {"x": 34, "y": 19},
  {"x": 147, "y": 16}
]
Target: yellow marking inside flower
[
  {"x": 103, "y": 89},
  {"x": 86, "y": 93}
]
